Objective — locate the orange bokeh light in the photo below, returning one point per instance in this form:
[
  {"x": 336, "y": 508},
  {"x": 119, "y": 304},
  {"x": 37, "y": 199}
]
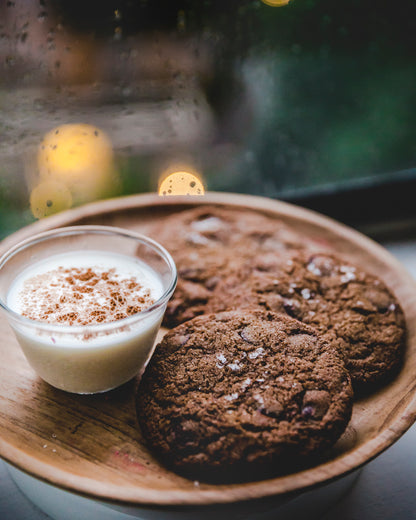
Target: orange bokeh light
[
  {"x": 275, "y": 3},
  {"x": 181, "y": 183}
]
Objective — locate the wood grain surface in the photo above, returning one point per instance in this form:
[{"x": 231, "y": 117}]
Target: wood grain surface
[{"x": 92, "y": 444}]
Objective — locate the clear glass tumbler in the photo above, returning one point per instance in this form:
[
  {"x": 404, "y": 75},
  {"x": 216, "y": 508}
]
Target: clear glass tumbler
[{"x": 89, "y": 358}]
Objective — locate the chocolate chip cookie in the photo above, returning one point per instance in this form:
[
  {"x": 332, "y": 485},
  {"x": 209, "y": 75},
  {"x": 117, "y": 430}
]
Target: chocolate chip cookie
[
  {"x": 209, "y": 243},
  {"x": 199, "y": 272},
  {"x": 213, "y": 227},
  {"x": 350, "y": 308},
  {"x": 241, "y": 395}
]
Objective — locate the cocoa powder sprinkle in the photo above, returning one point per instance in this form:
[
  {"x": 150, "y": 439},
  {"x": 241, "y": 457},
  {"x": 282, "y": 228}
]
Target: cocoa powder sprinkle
[{"x": 83, "y": 296}]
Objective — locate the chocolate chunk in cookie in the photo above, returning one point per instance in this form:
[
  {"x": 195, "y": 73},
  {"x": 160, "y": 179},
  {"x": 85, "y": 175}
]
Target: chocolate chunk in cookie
[{"x": 242, "y": 395}]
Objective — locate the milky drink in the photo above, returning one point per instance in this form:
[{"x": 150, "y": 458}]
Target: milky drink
[{"x": 87, "y": 303}]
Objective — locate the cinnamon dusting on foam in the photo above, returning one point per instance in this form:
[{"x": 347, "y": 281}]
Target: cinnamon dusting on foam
[{"x": 82, "y": 296}]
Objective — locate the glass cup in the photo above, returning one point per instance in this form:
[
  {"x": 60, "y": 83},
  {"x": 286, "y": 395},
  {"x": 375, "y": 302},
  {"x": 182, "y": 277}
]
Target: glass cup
[{"x": 88, "y": 359}]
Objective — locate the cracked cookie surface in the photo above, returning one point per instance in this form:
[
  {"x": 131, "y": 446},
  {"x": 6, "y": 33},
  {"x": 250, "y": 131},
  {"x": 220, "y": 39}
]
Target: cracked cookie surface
[
  {"x": 209, "y": 243},
  {"x": 212, "y": 227},
  {"x": 241, "y": 395},
  {"x": 351, "y": 308}
]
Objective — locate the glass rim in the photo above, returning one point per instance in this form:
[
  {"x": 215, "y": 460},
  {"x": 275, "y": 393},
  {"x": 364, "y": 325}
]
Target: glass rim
[{"x": 98, "y": 230}]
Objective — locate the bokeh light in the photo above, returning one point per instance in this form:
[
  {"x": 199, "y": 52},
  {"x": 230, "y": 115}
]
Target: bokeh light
[
  {"x": 275, "y": 3},
  {"x": 80, "y": 156},
  {"x": 181, "y": 183},
  {"x": 49, "y": 197}
]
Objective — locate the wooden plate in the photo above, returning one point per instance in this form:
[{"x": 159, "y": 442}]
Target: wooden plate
[{"x": 92, "y": 445}]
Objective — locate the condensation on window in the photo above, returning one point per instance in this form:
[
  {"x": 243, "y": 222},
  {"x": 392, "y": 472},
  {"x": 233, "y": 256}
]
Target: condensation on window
[{"x": 264, "y": 97}]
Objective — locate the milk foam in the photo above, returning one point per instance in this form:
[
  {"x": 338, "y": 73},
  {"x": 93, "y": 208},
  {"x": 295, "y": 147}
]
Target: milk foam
[{"x": 84, "y": 284}]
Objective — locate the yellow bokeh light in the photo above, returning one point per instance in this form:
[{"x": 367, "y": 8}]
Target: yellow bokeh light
[
  {"x": 181, "y": 183},
  {"x": 79, "y": 156},
  {"x": 49, "y": 197},
  {"x": 275, "y": 3}
]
